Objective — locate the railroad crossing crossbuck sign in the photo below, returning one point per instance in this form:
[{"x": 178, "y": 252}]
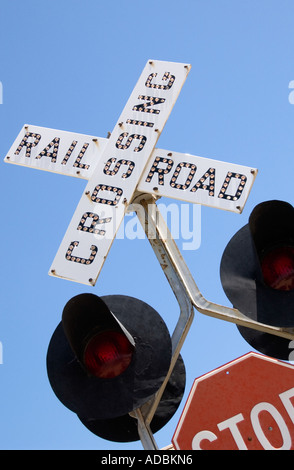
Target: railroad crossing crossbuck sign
[{"x": 126, "y": 163}]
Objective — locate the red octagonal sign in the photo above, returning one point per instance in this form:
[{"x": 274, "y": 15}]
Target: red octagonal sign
[{"x": 245, "y": 404}]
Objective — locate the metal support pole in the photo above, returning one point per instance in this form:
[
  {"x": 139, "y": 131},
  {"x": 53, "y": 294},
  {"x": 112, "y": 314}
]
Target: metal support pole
[
  {"x": 169, "y": 258},
  {"x": 144, "y": 431}
]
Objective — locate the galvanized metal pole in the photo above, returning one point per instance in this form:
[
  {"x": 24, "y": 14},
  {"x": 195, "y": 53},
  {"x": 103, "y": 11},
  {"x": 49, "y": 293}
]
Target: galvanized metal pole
[
  {"x": 169, "y": 258},
  {"x": 144, "y": 431}
]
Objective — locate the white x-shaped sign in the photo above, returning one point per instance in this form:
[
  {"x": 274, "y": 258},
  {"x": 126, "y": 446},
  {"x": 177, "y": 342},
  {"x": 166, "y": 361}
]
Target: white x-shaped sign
[{"x": 125, "y": 163}]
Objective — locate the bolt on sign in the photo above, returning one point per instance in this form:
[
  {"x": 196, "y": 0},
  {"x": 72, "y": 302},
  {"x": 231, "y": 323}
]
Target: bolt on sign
[{"x": 247, "y": 404}]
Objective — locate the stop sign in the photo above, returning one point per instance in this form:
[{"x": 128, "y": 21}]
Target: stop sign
[{"x": 245, "y": 404}]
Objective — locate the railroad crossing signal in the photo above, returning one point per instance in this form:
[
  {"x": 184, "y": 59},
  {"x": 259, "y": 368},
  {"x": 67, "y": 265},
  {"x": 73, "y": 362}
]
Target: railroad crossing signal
[
  {"x": 107, "y": 357},
  {"x": 257, "y": 274},
  {"x": 118, "y": 169},
  {"x": 126, "y": 163}
]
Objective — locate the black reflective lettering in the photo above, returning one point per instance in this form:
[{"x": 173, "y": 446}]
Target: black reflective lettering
[
  {"x": 166, "y": 76},
  {"x": 95, "y": 222},
  {"x": 159, "y": 170},
  {"x": 106, "y": 191},
  {"x": 177, "y": 172},
  {"x": 136, "y": 122},
  {"x": 28, "y": 144},
  {"x": 77, "y": 163},
  {"x": 69, "y": 152},
  {"x": 206, "y": 182},
  {"x": 112, "y": 167},
  {"x": 51, "y": 150},
  {"x": 150, "y": 101},
  {"x": 238, "y": 187},
  {"x": 77, "y": 259},
  {"x": 130, "y": 138}
]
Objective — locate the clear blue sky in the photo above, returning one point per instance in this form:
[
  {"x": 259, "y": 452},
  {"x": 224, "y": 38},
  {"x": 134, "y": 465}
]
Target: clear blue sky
[{"x": 72, "y": 65}]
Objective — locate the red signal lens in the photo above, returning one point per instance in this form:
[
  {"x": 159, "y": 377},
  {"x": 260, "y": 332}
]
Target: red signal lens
[
  {"x": 108, "y": 354},
  {"x": 278, "y": 268}
]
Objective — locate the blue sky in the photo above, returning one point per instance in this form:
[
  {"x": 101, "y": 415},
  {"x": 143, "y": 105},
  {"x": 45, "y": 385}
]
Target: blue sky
[{"x": 72, "y": 65}]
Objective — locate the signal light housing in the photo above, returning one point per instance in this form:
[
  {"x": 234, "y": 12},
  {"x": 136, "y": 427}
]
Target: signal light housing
[
  {"x": 108, "y": 356},
  {"x": 257, "y": 274}
]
